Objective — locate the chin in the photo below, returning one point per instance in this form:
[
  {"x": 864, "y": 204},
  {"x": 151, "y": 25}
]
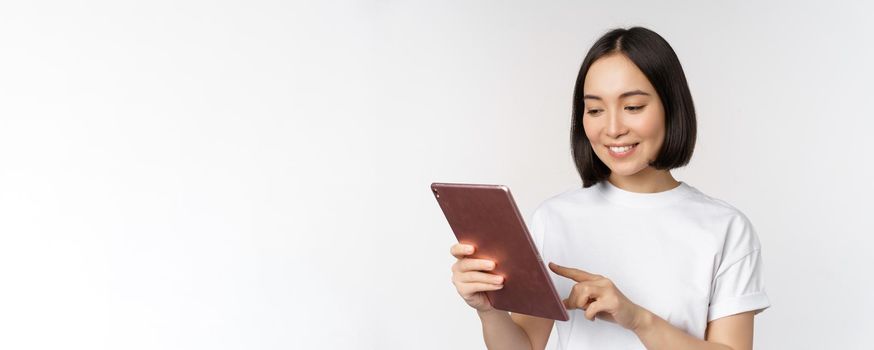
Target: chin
[{"x": 626, "y": 169}]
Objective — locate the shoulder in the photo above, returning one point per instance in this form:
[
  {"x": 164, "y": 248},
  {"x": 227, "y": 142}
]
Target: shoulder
[
  {"x": 711, "y": 206},
  {"x": 740, "y": 235},
  {"x": 570, "y": 196}
]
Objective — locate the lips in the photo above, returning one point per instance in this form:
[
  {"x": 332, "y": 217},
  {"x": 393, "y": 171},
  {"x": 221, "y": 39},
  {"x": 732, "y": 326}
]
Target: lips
[{"x": 621, "y": 150}]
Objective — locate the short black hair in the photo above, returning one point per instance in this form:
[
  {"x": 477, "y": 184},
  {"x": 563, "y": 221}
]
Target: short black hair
[{"x": 659, "y": 63}]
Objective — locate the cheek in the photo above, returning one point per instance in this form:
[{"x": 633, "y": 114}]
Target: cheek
[
  {"x": 592, "y": 130},
  {"x": 652, "y": 128}
]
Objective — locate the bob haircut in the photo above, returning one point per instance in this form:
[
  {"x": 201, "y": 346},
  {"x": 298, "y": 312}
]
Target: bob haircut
[{"x": 658, "y": 62}]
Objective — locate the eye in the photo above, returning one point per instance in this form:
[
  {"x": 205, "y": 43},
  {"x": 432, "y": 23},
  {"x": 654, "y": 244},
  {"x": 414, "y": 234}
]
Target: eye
[
  {"x": 593, "y": 111},
  {"x": 634, "y": 108}
]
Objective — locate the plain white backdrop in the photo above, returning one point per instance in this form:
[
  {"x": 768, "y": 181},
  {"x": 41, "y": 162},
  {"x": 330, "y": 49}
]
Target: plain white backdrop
[{"x": 254, "y": 174}]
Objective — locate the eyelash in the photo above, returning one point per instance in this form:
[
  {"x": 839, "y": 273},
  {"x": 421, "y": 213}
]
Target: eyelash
[{"x": 634, "y": 108}]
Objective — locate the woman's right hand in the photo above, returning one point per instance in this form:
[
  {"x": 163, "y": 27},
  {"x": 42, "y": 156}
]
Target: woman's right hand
[{"x": 471, "y": 277}]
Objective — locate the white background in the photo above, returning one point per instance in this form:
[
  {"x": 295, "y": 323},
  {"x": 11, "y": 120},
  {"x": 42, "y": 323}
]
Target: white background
[{"x": 254, "y": 174}]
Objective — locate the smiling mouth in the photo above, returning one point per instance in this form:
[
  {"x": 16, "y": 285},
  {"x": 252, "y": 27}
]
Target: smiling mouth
[{"x": 622, "y": 149}]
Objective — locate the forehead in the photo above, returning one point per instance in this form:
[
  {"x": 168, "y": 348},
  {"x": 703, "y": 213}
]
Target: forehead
[{"x": 614, "y": 74}]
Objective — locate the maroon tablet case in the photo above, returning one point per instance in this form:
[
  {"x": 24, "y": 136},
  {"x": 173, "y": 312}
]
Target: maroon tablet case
[{"x": 486, "y": 217}]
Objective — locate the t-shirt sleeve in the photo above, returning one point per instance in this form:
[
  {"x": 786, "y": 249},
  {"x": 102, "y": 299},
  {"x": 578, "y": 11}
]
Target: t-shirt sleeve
[{"x": 738, "y": 285}]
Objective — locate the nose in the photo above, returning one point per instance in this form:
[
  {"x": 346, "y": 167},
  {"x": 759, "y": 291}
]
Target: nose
[{"x": 615, "y": 126}]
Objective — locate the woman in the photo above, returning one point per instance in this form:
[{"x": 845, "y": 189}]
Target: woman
[{"x": 648, "y": 261}]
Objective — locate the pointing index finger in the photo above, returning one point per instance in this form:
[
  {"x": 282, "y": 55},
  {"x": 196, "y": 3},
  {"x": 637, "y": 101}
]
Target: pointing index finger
[{"x": 572, "y": 273}]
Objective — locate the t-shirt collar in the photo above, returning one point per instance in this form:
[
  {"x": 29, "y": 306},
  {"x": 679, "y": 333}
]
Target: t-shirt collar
[{"x": 642, "y": 200}]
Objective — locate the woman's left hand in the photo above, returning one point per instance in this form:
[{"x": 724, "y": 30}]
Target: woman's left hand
[{"x": 598, "y": 296}]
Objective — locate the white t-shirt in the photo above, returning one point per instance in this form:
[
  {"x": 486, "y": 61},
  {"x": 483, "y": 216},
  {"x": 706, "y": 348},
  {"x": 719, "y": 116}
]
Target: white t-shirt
[{"x": 687, "y": 257}]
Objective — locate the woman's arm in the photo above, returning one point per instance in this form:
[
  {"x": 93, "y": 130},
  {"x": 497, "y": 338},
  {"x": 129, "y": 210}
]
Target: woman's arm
[
  {"x": 599, "y": 297},
  {"x": 500, "y": 332},
  {"x": 727, "y": 333},
  {"x": 537, "y": 328}
]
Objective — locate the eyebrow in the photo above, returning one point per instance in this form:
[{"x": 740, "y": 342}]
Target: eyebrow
[{"x": 623, "y": 95}]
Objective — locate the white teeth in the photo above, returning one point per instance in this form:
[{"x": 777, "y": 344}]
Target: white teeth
[{"x": 620, "y": 149}]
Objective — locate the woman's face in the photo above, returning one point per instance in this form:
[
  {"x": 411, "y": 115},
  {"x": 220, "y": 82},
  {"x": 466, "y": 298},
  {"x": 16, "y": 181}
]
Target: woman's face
[{"x": 624, "y": 117}]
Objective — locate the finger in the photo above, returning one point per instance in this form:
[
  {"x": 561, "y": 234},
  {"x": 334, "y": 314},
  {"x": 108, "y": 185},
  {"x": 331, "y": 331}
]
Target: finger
[
  {"x": 468, "y": 289},
  {"x": 574, "y": 303},
  {"x": 592, "y": 289},
  {"x": 482, "y": 277},
  {"x": 580, "y": 298},
  {"x": 572, "y": 273},
  {"x": 468, "y": 264},
  {"x": 603, "y": 282},
  {"x": 577, "y": 303},
  {"x": 460, "y": 250},
  {"x": 594, "y": 309}
]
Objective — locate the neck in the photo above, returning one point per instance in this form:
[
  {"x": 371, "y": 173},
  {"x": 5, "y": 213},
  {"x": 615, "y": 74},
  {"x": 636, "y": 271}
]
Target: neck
[{"x": 648, "y": 180}]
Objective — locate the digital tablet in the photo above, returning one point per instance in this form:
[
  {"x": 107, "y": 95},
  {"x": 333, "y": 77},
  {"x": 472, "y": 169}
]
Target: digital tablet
[{"x": 486, "y": 217}]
